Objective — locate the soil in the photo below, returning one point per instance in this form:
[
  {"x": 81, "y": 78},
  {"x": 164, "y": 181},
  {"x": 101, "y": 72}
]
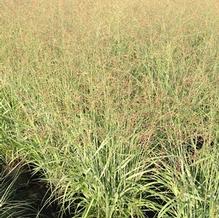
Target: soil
[{"x": 32, "y": 188}]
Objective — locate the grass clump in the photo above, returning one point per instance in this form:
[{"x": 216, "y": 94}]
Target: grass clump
[{"x": 116, "y": 101}]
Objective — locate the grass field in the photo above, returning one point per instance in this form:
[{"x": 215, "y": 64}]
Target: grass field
[{"x": 116, "y": 102}]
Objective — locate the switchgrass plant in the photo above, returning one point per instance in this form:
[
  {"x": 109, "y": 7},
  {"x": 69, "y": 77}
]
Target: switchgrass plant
[
  {"x": 193, "y": 181},
  {"x": 108, "y": 97}
]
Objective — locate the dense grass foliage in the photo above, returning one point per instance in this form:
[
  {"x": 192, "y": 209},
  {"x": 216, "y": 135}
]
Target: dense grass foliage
[{"x": 117, "y": 101}]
